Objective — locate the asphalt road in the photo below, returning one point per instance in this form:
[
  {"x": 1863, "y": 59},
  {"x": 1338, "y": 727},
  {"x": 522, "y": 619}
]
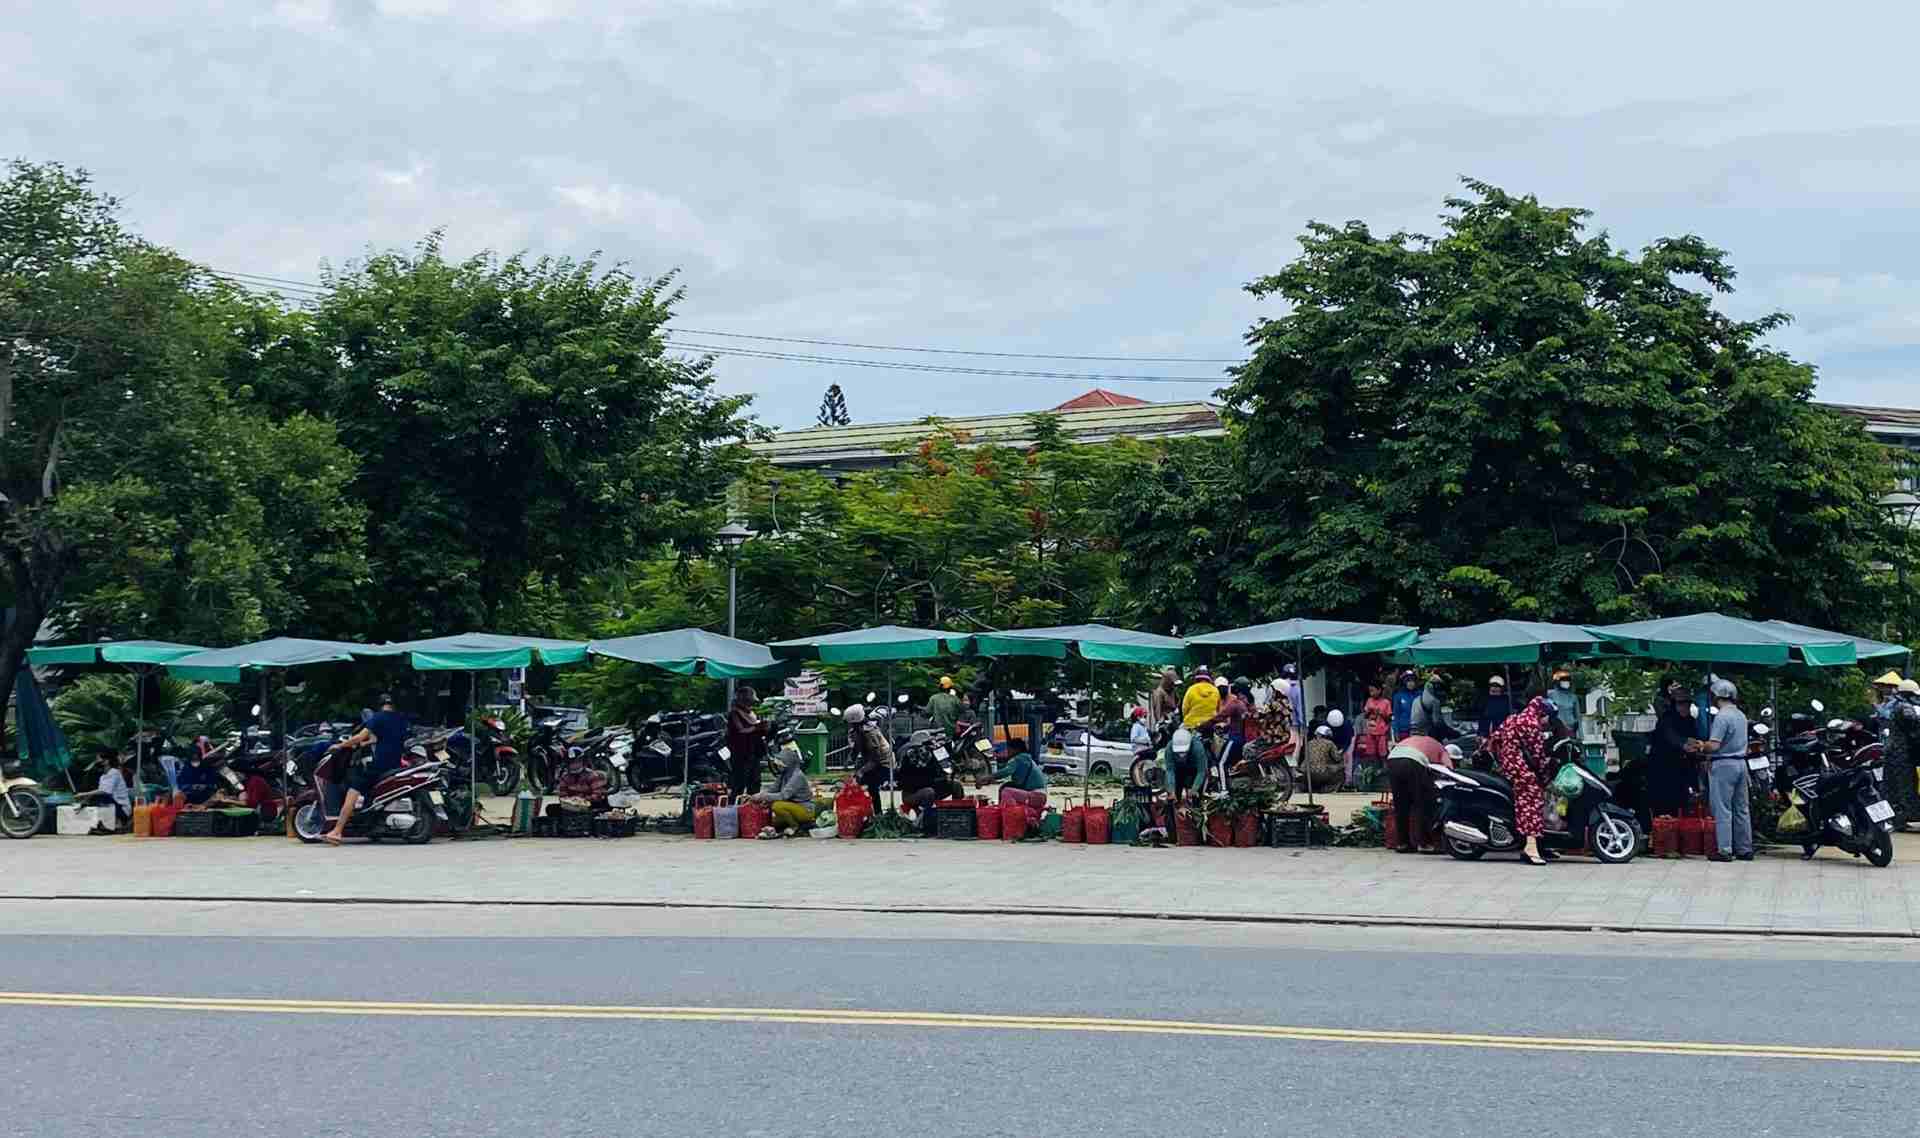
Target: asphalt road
[{"x": 332, "y": 1069}]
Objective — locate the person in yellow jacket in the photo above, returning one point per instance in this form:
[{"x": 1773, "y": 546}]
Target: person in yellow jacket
[
  {"x": 1197, "y": 708},
  {"x": 1202, "y": 701}
]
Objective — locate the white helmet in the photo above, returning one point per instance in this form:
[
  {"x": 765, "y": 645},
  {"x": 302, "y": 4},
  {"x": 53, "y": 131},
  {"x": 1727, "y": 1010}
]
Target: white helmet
[
  {"x": 1336, "y": 718},
  {"x": 856, "y": 714}
]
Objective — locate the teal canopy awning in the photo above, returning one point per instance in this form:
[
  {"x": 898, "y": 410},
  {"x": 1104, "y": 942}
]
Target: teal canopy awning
[
  {"x": 1863, "y": 648},
  {"x": 1333, "y": 637},
  {"x": 1090, "y": 641},
  {"x": 1500, "y": 642},
  {"x": 224, "y": 665},
  {"x": 1715, "y": 638},
  {"x": 44, "y": 753},
  {"x": 479, "y": 651},
  {"x": 884, "y": 642},
  {"x": 696, "y": 652},
  {"x": 130, "y": 652}
]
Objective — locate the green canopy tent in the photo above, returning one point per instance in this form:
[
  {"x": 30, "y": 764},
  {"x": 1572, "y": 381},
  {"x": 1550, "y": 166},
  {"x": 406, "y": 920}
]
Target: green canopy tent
[
  {"x": 1331, "y": 637},
  {"x": 695, "y": 652},
  {"x": 1863, "y": 648},
  {"x": 141, "y": 657},
  {"x": 473, "y": 653},
  {"x": 1502, "y": 642},
  {"x": 43, "y": 746},
  {"x": 1499, "y": 642},
  {"x": 263, "y": 657},
  {"x": 1094, "y": 643},
  {"x": 882, "y": 643},
  {"x": 1714, "y": 638}
]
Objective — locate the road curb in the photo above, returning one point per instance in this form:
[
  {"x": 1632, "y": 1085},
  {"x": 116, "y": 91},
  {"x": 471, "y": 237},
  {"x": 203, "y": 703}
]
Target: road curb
[{"x": 1067, "y": 911}]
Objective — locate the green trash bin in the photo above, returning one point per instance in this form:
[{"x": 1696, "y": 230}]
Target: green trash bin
[{"x": 812, "y": 742}]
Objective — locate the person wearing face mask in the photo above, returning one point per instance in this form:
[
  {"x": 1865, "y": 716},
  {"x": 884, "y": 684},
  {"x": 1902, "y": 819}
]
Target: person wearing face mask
[
  {"x": 1566, "y": 705},
  {"x": 1671, "y": 769},
  {"x": 1403, "y": 701},
  {"x": 1902, "y": 717},
  {"x": 1496, "y": 707},
  {"x": 1727, "y": 777}
]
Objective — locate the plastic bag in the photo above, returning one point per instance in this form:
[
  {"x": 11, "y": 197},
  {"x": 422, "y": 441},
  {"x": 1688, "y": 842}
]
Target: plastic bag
[
  {"x": 1568, "y": 782},
  {"x": 1792, "y": 821},
  {"x": 726, "y": 822}
]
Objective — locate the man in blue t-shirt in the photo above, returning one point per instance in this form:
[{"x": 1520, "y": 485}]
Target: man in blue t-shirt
[{"x": 386, "y": 729}]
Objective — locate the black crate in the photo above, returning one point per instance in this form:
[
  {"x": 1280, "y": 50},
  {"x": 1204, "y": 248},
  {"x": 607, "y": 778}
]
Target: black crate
[
  {"x": 573, "y": 824},
  {"x": 194, "y": 824},
  {"x": 235, "y": 823},
  {"x": 960, "y": 822},
  {"x": 611, "y": 826},
  {"x": 1284, "y": 830}
]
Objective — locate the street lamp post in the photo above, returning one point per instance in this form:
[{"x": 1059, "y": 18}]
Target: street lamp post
[
  {"x": 1904, "y": 506},
  {"x": 731, "y": 537}
]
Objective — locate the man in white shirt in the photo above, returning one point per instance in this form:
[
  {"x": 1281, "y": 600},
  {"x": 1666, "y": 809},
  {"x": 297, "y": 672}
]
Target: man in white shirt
[{"x": 113, "y": 787}]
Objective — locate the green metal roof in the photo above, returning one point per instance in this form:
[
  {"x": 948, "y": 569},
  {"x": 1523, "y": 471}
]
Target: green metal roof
[{"x": 869, "y": 442}]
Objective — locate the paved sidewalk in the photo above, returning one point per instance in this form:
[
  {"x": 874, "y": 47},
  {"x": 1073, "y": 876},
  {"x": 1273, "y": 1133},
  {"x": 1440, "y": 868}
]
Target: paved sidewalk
[{"x": 1777, "y": 894}]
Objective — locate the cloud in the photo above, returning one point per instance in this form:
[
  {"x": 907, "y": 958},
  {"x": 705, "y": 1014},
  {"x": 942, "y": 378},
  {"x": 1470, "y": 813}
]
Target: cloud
[{"x": 1056, "y": 177}]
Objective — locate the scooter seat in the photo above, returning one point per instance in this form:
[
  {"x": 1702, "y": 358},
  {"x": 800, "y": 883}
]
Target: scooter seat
[{"x": 1486, "y": 781}]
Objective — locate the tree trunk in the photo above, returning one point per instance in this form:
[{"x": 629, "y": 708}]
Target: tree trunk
[{"x": 21, "y": 628}]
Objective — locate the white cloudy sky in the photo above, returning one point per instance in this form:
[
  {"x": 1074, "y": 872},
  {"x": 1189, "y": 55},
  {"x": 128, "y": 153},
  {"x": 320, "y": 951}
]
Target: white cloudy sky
[{"x": 1066, "y": 177}]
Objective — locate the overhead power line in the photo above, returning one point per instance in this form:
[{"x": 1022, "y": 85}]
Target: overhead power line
[
  {"x": 963, "y": 351},
  {"x": 897, "y": 365},
  {"x": 310, "y": 290}
]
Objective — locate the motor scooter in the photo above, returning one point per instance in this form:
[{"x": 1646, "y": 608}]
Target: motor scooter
[
  {"x": 400, "y": 806},
  {"x": 1845, "y": 809},
  {"x": 22, "y": 810},
  {"x": 1475, "y": 810}
]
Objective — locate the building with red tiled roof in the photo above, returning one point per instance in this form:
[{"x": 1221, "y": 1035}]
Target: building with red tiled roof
[{"x": 1100, "y": 397}]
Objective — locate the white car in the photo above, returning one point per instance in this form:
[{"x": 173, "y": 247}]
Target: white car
[{"x": 1109, "y": 759}]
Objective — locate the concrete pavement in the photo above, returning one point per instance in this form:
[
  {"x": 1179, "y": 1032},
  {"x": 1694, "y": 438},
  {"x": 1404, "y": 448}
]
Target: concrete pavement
[
  {"x": 1775, "y": 894},
  {"x": 1349, "y": 1031}
]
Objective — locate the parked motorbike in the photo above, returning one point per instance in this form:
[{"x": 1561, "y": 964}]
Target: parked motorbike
[
  {"x": 22, "y": 810},
  {"x": 1146, "y": 769},
  {"x": 401, "y": 805},
  {"x": 1845, "y": 809},
  {"x": 547, "y": 752},
  {"x": 1475, "y": 812},
  {"x": 496, "y": 761}
]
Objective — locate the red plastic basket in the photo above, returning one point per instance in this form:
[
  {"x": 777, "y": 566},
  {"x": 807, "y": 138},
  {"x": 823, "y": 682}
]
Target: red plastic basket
[
  {"x": 1013, "y": 823},
  {"x": 1073, "y": 825},
  {"x": 1219, "y": 830},
  {"x": 1661, "y": 842},
  {"x": 754, "y": 818},
  {"x": 703, "y": 821},
  {"x": 851, "y": 821},
  {"x": 1099, "y": 825},
  {"x": 989, "y": 822},
  {"x": 1246, "y": 830},
  {"x": 1186, "y": 831}
]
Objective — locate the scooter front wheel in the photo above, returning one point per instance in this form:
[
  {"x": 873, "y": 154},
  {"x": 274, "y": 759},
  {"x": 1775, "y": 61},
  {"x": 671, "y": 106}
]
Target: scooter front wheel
[
  {"x": 21, "y": 813},
  {"x": 422, "y": 831},
  {"x": 308, "y": 825},
  {"x": 1465, "y": 851},
  {"x": 1880, "y": 850},
  {"x": 1146, "y": 772},
  {"x": 1614, "y": 840}
]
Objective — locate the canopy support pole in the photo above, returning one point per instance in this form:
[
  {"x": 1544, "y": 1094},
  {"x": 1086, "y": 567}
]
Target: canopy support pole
[
  {"x": 473, "y": 752},
  {"x": 893, "y": 770},
  {"x": 1300, "y": 676},
  {"x": 1086, "y": 780},
  {"x": 139, "y": 734}
]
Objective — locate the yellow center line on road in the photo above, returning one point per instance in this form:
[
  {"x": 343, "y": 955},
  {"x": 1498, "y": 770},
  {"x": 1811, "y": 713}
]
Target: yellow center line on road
[{"x": 857, "y": 1018}]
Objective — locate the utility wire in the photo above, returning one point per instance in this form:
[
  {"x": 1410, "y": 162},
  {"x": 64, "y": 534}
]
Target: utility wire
[
  {"x": 896, "y": 365},
  {"x": 963, "y": 352},
  {"x": 311, "y": 290}
]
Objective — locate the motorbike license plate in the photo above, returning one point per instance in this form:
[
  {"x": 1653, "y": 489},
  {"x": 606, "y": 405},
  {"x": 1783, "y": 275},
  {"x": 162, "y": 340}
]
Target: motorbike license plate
[
  {"x": 1879, "y": 811},
  {"x": 940, "y": 753},
  {"x": 660, "y": 747},
  {"x": 1757, "y": 763},
  {"x": 724, "y": 753}
]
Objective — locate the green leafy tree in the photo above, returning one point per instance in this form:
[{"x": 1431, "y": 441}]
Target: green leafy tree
[
  {"x": 1183, "y": 531},
  {"x": 98, "y": 711},
  {"x": 1517, "y": 417},
  {"x": 515, "y": 419},
  {"x": 139, "y": 495}
]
